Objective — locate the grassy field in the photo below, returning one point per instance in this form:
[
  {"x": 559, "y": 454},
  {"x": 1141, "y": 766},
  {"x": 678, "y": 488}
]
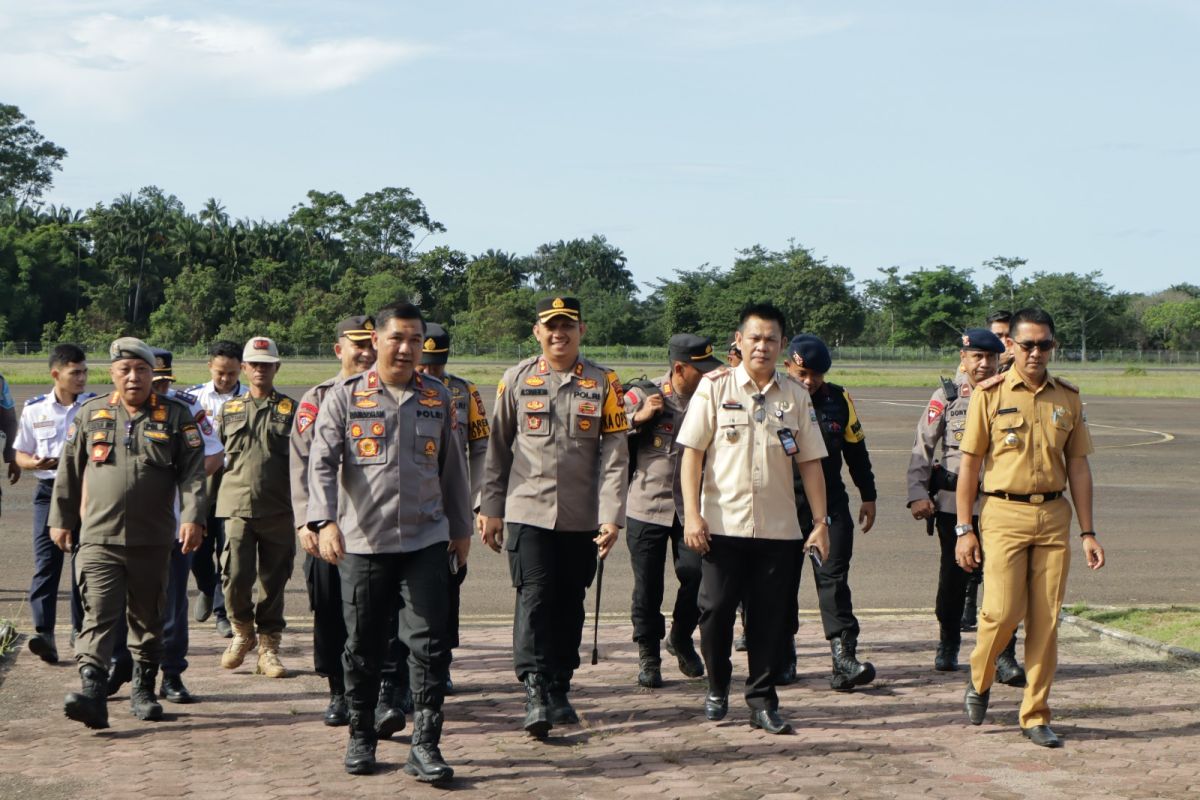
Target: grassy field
[
  {"x": 1105, "y": 381},
  {"x": 1174, "y": 625}
]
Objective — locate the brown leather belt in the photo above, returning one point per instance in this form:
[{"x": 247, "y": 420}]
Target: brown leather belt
[{"x": 1035, "y": 499}]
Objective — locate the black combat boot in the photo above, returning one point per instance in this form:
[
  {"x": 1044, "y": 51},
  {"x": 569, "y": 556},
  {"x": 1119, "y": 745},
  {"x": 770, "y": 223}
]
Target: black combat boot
[
  {"x": 89, "y": 704},
  {"x": 360, "y": 750},
  {"x": 970, "y": 615},
  {"x": 142, "y": 700},
  {"x": 1008, "y": 670},
  {"x": 847, "y": 671},
  {"x": 389, "y": 719},
  {"x": 559, "y": 707},
  {"x": 336, "y": 714},
  {"x": 425, "y": 760},
  {"x": 787, "y": 673},
  {"x": 537, "y": 705},
  {"x": 690, "y": 663},
  {"x": 120, "y": 673},
  {"x": 650, "y": 664},
  {"x": 946, "y": 659}
]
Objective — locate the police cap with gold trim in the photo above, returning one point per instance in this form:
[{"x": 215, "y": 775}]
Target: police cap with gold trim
[
  {"x": 436, "y": 347},
  {"x": 356, "y": 329},
  {"x": 162, "y": 364},
  {"x": 550, "y": 307},
  {"x": 695, "y": 350}
]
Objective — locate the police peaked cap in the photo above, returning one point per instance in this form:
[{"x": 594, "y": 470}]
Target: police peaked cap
[{"x": 436, "y": 347}]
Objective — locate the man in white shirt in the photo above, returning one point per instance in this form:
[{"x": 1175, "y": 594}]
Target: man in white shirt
[
  {"x": 46, "y": 423},
  {"x": 224, "y": 367}
]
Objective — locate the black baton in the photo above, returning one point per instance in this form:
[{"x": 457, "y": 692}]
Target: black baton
[{"x": 596, "y": 628}]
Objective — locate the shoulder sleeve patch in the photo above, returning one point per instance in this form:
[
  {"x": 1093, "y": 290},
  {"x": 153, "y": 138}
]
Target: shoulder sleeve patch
[{"x": 615, "y": 419}]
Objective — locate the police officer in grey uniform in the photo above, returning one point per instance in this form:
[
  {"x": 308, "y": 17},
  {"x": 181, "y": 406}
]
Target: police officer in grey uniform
[
  {"x": 131, "y": 452},
  {"x": 356, "y": 353},
  {"x": 390, "y": 499},
  {"x": 473, "y": 432},
  {"x": 655, "y": 510},
  {"x": 934, "y": 467},
  {"x": 556, "y": 470}
]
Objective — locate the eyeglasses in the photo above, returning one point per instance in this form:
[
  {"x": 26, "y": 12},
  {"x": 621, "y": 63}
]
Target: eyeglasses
[
  {"x": 760, "y": 411},
  {"x": 1044, "y": 345}
]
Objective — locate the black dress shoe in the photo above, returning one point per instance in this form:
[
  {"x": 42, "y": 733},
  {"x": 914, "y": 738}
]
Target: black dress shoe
[
  {"x": 946, "y": 659},
  {"x": 174, "y": 691},
  {"x": 202, "y": 607},
  {"x": 1042, "y": 736},
  {"x": 976, "y": 703},
  {"x": 716, "y": 706},
  {"x": 769, "y": 720},
  {"x": 42, "y": 646},
  {"x": 224, "y": 628}
]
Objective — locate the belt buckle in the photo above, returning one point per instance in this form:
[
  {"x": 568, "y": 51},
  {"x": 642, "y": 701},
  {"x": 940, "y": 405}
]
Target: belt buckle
[{"x": 1037, "y": 499}]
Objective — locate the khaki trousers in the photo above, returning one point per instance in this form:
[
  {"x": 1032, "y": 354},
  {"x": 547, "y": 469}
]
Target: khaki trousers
[
  {"x": 258, "y": 550},
  {"x": 1025, "y": 572},
  {"x": 115, "y": 580}
]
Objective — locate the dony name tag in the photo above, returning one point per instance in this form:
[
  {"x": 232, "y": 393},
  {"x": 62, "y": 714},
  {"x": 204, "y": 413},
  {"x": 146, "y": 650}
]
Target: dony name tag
[{"x": 788, "y": 441}]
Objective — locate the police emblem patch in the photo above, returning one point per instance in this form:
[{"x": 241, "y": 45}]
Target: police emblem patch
[
  {"x": 368, "y": 448},
  {"x": 533, "y": 422},
  {"x": 585, "y": 424},
  {"x": 430, "y": 447},
  {"x": 377, "y": 429},
  {"x": 285, "y": 406},
  {"x": 191, "y": 436},
  {"x": 159, "y": 415},
  {"x": 356, "y": 430}
]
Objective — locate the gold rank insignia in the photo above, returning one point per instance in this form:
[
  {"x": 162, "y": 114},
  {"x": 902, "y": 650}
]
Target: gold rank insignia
[
  {"x": 430, "y": 402},
  {"x": 430, "y": 447},
  {"x": 534, "y": 380},
  {"x": 285, "y": 406},
  {"x": 102, "y": 413},
  {"x": 158, "y": 436},
  {"x": 535, "y": 405},
  {"x": 368, "y": 448},
  {"x": 377, "y": 429},
  {"x": 159, "y": 415},
  {"x": 587, "y": 383}
]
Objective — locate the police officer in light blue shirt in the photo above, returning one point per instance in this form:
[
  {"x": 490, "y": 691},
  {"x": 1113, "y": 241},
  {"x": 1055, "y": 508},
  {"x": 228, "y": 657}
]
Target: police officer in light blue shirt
[{"x": 46, "y": 423}]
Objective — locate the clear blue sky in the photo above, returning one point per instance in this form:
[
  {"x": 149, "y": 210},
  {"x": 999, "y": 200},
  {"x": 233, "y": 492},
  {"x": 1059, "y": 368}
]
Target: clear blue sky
[{"x": 876, "y": 134}]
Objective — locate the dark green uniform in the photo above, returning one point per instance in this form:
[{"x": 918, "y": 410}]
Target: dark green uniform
[
  {"x": 255, "y": 499},
  {"x": 129, "y": 468}
]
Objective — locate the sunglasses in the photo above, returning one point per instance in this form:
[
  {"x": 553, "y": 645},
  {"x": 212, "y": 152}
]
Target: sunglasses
[
  {"x": 760, "y": 412},
  {"x": 1044, "y": 345}
]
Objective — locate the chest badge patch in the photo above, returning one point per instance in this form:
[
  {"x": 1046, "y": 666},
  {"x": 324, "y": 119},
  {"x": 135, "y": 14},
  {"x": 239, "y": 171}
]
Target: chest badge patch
[
  {"x": 430, "y": 447},
  {"x": 535, "y": 405},
  {"x": 365, "y": 402},
  {"x": 430, "y": 402},
  {"x": 368, "y": 448},
  {"x": 356, "y": 430},
  {"x": 534, "y": 380},
  {"x": 100, "y": 452},
  {"x": 159, "y": 415},
  {"x": 587, "y": 383},
  {"x": 658, "y": 442},
  {"x": 587, "y": 408},
  {"x": 534, "y": 423},
  {"x": 377, "y": 429},
  {"x": 585, "y": 424},
  {"x": 102, "y": 413},
  {"x": 285, "y": 406}
]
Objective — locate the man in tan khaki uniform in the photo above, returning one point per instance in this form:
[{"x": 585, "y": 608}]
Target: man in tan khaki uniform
[
  {"x": 127, "y": 455},
  {"x": 744, "y": 429},
  {"x": 1028, "y": 432},
  {"x": 255, "y": 502},
  {"x": 556, "y": 470}
]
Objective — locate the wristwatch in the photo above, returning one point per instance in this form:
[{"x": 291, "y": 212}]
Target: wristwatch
[
  {"x": 826, "y": 521},
  {"x": 316, "y": 525},
  {"x": 964, "y": 529},
  {"x": 1087, "y": 533}
]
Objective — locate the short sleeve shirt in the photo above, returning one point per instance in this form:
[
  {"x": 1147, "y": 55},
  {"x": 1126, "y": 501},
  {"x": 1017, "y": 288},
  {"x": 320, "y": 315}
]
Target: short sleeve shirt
[
  {"x": 1025, "y": 435},
  {"x": 45, "y": 427},
  {"x": 749, "y": 448}
]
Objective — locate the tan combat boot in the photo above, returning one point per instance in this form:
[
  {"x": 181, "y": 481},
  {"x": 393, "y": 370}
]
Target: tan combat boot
[
  {"x": 268, "y": 656},
  {"x": 243, "y": 642}
]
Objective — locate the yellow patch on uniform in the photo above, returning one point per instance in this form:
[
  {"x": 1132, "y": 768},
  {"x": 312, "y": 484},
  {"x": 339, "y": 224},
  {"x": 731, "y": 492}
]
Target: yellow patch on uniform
[
  {"x": 535, "y": 405},
  {"x": 100, "y": 452},
  {"x": 102, "y": 413},
  {"x": 365, "y": 402},
  {"x": 233, "y": 406},
  {"x": 368, "y": 448},
  {"x": 958, "y": 435},
  {"x": 159, "y": 415},
  {"x": 158, "y": 436},
  {"x": 99, "y": 436},
  {"x": 585, "y": 424},
  {"x": 615, "y": 420},
  {"x": 430, "y": 402},
  {"x": 534, "y": 380},
  {"x": 377, "y": 429},
  {"x": 356, "y": 430},
  {"x": 285, "y": 406},
  {"x": 587, "y": 383},
  {"x": 430, "y": 447},
  {"x": 658, "y": 441},
  {"x": 500, "y": 389}
]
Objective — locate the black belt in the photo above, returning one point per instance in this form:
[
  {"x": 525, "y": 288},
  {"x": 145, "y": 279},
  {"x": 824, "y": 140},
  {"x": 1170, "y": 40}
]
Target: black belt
[{"x": 1035, "y": 499}]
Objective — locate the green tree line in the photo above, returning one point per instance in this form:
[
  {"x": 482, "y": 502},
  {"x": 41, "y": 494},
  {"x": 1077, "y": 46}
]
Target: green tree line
[{"x": 143, "y": 264}]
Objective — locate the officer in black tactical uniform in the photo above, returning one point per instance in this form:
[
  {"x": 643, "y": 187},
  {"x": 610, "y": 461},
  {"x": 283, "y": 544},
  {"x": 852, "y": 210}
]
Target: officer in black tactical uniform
[{"x": 808, "y": 361}]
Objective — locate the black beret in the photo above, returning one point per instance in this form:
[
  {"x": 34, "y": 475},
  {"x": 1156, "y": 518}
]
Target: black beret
[
  {"x": 981, "y": 339},
  {"x": 810, "y": 352}
]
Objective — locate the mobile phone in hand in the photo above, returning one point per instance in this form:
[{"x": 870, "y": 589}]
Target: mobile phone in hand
[{"x": 815, "y": 556}]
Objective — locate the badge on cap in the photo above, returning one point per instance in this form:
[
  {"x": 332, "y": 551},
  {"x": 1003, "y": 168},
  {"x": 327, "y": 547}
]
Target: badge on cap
[
  {"x": 429, "y": 346},
  {"x": 261, "y": 344},
  {"x": 558, "y": 303}
]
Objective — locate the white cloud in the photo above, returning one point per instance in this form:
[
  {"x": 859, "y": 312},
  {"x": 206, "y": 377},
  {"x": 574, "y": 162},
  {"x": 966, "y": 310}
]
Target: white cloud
[{"x": 117, "y": 62}]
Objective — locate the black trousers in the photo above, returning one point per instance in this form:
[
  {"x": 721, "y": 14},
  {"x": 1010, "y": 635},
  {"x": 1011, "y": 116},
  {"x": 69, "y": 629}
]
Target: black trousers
[
  {"x": 756, "y": 572},
  {"x": 329, "y": 625},
  {"x": 551, "y": 571},
  {"x": 952, "y": 579},
  {"x": 648, "y": 555},
  {"x": 403, "y": 589},
  {"x": 453, "y": 603},
  {"x": 832, "y": 579}
]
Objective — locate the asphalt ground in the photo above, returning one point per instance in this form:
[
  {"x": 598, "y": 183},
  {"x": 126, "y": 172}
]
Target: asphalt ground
[{"x": 1146, "y": 474}]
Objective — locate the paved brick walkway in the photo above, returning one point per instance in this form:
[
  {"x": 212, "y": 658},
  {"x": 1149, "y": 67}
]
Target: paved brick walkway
[{"x": 1131, "y": 722}]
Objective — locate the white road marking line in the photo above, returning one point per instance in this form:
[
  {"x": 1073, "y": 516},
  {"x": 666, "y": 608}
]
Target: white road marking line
[{"x": 1164, "y": 437}]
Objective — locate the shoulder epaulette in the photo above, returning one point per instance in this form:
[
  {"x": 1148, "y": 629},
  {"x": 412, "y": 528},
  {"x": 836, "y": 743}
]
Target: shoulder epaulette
[
  {"x": 37, "y": 399},
  {"x": 721, "y": 372},
  {"x": 1066, "y": 384},
  {"x": 195, "y": 388},
  {"x": 991, "y": 382},
  {"x": 186, "y": 397}
]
